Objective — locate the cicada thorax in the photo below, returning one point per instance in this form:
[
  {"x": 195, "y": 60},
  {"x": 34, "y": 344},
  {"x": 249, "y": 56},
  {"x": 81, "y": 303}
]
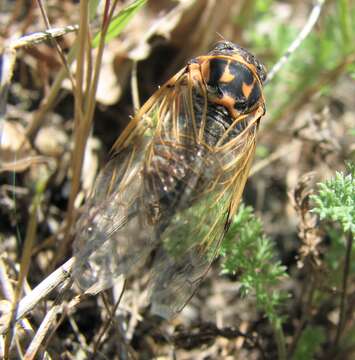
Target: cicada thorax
[{"x": 232, "y": 84}]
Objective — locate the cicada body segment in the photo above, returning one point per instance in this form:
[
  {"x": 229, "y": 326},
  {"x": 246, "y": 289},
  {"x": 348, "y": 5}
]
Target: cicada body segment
[{"x": 175, "y": 179}]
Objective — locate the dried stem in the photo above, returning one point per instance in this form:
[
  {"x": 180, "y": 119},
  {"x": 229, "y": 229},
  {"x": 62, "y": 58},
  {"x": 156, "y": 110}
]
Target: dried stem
[
  {"x": 55, "y": 42},
  {"x": 24, "y": 267},
  {"x": 340, "y": 328},
  {"x": 109, "y": 320},
  {"x": 46, "y": 325},
  {"x": 134, "y": 86},
  {"x": 84, "y": 114},
  {"x": 43, "y": 289}
]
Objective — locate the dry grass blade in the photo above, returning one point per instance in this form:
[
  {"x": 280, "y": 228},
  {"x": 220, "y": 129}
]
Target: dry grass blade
[
  {"x": 41, "y": 36},
  {"x": 9, "y": 295},
  {"x": 42, "y": 290},
  {"x": 24, "y": 267},
  {"x": 9, "y": 56},
  {"x": 55, "y": 43},
  {"x": 276, "y": 155},
  {"x": 84, "y": 111},
  {"x": 22, "y": 164},
  {"x": 109, "y": 320}
]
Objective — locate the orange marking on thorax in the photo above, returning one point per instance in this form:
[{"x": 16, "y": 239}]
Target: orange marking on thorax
[
  {"x": 228, "y": 102},
  {"x": 227, "y": 76},
  {"x": 247, "y": 89},
  {"x": 205, "y": 69},
  {"x": 194, "y": 71}
]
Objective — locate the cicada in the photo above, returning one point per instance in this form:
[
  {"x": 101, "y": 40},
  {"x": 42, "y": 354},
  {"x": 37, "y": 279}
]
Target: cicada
[{"x": 165, "y": 200}]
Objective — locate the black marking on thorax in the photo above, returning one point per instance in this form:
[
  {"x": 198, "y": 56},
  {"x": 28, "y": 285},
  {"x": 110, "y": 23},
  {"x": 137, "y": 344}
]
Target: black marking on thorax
[{"x": 232, "y": 78}]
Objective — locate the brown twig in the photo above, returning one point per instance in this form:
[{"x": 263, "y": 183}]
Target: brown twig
[
  {"x": 276, "y": 155},
  {"x": 109, "y": 320},
  {"x": 134, "y": 86},
  {"x": 46, "y": 325},
  {"x": 43, "y": 289}
]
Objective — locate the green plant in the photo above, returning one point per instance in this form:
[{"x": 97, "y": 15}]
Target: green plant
[
  {"x": 335, "y": 205},
  {"x": 335, "y": 200},
  {"x": 248, "y": 252},
  {"x": 120, "y": 21},
  {"x": 309, "y": 342}
]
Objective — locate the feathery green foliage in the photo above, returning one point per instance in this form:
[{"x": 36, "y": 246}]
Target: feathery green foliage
[
  {"x": 335, "y": 200},
  {"x": 248, "y": 252}
]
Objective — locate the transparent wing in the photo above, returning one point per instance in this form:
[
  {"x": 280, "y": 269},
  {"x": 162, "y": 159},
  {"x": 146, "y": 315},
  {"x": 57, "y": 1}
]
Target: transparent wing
[
  {"x": 117, "y": 231},
  {"x": 191, "y": 241},
  {"x": 107, "y": 243}
]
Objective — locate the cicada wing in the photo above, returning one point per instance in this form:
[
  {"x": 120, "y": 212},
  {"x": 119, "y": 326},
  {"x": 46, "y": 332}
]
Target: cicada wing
[
  {"x": 112, "y": 228},
  {"x": 191, "y": 241},
  {"x": 188, "y": 247},
  {"x": 116, "y": 233}
]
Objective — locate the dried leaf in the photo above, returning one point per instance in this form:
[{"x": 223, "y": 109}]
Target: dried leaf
[{"x": 308, "y": 229}]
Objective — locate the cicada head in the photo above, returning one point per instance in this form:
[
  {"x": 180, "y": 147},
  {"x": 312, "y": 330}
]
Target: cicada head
[{"x": 233, "y": 78}]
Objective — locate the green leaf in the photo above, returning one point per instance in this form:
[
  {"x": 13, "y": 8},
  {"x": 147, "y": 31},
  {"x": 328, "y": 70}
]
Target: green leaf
[{"x": 120, "y": 21}]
